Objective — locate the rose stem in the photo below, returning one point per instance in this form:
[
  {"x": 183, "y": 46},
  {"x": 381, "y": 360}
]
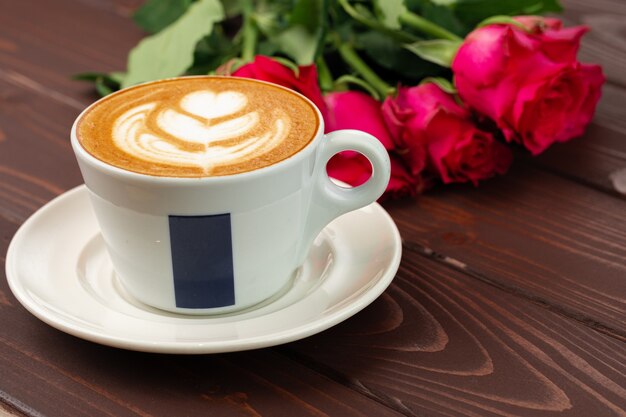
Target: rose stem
[
  {"x": 377, "y": 26},
  {"x": 426, "y": 26},
  {"x": 249, "y": 30},
  {"x": 349, "y": 55},
  {"x": 325, "y": 76}
]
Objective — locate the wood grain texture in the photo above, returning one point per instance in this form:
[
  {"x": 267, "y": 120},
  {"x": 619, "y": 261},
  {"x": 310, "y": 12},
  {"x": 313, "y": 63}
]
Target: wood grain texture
[
  {"x": 36, "y": 161},
  {"x": 38, "y": 99},
  {"x": 540, "y": 236},
  {"x": 97, "y": 381},
  {"x": 124, "y": 8},
  {"x": 593, "y": 160},
  {"x": 120, "y": 383},
  {"x": 78, "y": 38},
  {"x": 438, "y": 343}
]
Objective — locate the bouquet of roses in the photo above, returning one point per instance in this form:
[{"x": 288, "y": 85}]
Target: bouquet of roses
[{"x": 445, "y": 85}]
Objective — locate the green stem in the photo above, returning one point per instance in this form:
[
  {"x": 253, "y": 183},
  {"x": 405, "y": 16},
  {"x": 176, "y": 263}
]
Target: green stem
[
  {"x": 349, "y": 55},
  {"x": 326, "y": 78},
  {"x": 427, "y": 27},
  {"x": 341, "y": 82},
  {"x": 249, "y": 30},
  {"x": 376, "y": 25}
]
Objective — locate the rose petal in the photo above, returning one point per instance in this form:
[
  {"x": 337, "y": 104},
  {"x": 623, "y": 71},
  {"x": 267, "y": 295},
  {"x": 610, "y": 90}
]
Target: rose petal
[
  {"x": 356, "y": 110},
  {"x": 563, "y": 45},
  {"x": 480, "y": 59}
]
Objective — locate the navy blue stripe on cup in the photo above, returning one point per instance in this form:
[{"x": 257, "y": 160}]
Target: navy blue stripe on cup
[{"x": 202, "y": 261}]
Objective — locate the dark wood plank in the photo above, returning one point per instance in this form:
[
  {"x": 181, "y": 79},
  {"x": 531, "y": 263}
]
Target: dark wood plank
[
  {"x": 101, "y": 382},
  {"x": 598, "y": 159},
  {"x": 439, "y": 343},
  {"x": 535, "y": 234},
  {"x": 123, "y": 8},
  {"x": 104, "y": 382},
  {"x": 36, "y": 161},
  {"x": 42, "y": 47}
]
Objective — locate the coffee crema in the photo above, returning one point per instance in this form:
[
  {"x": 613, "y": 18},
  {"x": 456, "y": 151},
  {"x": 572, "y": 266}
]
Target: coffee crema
[{"x": 197, "y": 127}]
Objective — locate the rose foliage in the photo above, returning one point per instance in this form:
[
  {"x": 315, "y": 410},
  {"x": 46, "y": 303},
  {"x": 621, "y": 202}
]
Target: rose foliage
[{"x": 447, "y": 87}]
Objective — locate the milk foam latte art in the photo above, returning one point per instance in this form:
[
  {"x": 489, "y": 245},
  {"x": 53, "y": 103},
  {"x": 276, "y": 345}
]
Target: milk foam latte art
[
  {"x": 132, "y": 132},
  {"x": 197, "y": 127}
]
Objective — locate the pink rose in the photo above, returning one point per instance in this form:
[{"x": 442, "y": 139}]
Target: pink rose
[
  {"x": 356, "y": 110},
  {"x": 528, "y": 81},
  {"x": 429, "y": 125},
  {"x": 304, "y": 82}
]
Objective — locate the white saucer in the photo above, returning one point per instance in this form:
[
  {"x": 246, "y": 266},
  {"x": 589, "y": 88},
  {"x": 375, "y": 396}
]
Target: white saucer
[{"x": 58, "y": 268}]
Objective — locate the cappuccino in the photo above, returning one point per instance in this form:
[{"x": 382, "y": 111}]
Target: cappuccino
[{"x": 198, "y": 127}]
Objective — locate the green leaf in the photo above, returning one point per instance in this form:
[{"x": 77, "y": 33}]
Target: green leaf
[
  {"x": 390, "y": 55},
  {"x": 211, "y": 52},
  {"x": 390, "y": 11},
  {"x": 267, "y": 48},
  {"x": 415, "y": 5},
  {"x": 443, "y": 83},
  {"x": 231, "y": 7},
  {"x": 474, "y": 11},
  {"x": 298, "y": 43},
  {"x": 89, "y": 76},
  {"x": 102, "y": 88},
  {"x": 308, "y": 13},
  {"x": 363, "y": 16},
  {"x": 170, "y": 52},
  {"x": 446, "y": 2},
  {"x": 156, "y": 15},
  {"x": 267, "y": 23},
  {"x": 438, "y": 51},
  {"x": 117, "y": 76},
  {"x": 444, "y": 17},
  {"x": 105, "y": 83},
  {"x": 302, "y": 39},
  {"x": 364, "y": 11}
]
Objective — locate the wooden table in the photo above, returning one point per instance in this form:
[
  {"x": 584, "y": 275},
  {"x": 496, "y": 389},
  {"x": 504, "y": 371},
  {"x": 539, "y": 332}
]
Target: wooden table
[{"x": 510, "y": 299}]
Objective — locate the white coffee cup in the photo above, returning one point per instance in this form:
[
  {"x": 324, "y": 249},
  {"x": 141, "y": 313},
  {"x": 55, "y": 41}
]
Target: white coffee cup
[{"x": 218, "y": 244}]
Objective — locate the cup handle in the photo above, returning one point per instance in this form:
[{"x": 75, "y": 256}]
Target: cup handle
[{"x": 329, "y": 200}]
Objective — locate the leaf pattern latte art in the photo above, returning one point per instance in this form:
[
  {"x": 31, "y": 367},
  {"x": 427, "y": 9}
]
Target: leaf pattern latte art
[{"x": 208, "y": 129}]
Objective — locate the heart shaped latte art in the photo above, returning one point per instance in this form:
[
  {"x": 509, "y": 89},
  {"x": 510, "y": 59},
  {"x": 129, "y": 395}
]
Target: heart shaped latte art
[{"x": 215, "y": 123}]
